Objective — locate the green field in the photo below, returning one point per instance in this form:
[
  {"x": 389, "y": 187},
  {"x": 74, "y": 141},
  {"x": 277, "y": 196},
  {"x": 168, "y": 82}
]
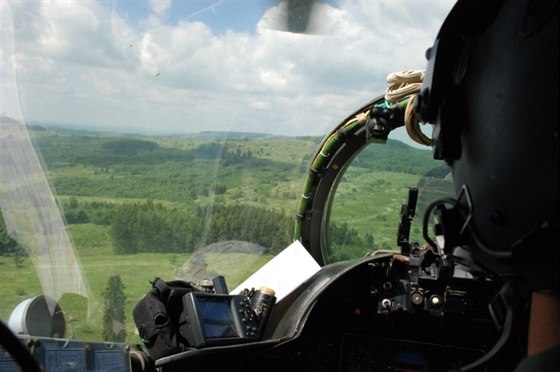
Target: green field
[{"x": 193, "y": 186}]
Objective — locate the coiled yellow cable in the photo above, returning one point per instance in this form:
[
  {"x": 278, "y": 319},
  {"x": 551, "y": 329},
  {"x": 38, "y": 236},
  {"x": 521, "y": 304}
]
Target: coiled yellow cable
[{"x": 407, "y": 84}]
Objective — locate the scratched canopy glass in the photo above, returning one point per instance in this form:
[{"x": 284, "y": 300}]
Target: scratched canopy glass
[{"x": 171, "y": 139}]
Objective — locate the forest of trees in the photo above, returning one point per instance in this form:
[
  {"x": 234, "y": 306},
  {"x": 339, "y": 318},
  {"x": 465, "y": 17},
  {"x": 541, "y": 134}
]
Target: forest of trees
[{"x": 152, "y": 227}]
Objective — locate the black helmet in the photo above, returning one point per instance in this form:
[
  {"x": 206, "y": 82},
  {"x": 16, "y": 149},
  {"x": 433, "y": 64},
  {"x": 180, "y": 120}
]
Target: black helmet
[{"x": 491, "y": 91}]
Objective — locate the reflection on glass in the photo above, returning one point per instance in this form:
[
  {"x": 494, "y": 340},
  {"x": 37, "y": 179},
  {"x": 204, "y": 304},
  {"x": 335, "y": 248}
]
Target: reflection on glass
[{"x": 217, "y": 318}]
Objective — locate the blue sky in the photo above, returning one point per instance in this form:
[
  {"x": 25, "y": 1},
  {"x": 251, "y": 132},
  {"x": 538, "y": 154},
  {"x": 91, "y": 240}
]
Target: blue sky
[
  {"x": 186, "y": 66},
  {"x": 240, "y": 16},
  {"x": 221, "y": 15}
]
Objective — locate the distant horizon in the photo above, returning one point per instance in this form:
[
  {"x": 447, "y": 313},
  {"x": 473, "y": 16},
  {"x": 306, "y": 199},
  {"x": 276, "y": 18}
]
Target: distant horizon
[
  {"x": 143, "y": 131},
  {"x": 95, "y": 129}
]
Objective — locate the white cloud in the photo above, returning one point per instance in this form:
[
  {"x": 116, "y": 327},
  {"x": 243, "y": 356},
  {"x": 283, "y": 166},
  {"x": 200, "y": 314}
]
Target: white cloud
[
  {"x": 93, "y": 67},
  {"x": 82, "y": 32},
  {"x": 160, "y": 7}
]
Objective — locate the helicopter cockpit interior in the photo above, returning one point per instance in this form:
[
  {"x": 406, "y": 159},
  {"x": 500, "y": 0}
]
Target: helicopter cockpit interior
[{"x": 247, "y": 185}]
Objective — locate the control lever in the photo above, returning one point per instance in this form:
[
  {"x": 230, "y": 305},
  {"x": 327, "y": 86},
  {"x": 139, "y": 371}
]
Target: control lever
[{"x": 407, "y": 214}]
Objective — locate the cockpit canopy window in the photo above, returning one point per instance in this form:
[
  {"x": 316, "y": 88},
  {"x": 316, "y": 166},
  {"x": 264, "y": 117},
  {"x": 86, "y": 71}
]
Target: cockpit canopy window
[{"x": 143, "y": 139}]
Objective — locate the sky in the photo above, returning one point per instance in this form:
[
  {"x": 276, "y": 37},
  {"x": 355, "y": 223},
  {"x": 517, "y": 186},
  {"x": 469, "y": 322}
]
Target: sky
[{"x": 184, "y": 66}]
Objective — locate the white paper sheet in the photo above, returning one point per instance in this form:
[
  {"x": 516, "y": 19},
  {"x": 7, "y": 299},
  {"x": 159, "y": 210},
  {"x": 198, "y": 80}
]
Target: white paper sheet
[{"x": 284, "y": 273}]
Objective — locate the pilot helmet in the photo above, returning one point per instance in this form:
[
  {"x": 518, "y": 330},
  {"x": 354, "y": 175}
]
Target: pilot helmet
[{"x": 491, "y": 92}]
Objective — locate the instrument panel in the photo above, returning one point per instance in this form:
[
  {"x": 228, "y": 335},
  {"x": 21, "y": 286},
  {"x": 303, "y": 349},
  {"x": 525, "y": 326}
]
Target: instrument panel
[{"x": 368, "y": 317}]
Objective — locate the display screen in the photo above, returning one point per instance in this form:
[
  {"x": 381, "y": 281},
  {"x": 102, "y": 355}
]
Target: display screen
[{"x": 216, "y": 316}]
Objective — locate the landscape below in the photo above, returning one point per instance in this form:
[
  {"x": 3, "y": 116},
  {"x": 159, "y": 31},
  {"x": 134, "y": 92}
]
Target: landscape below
[{"x": 139, "y": 207}]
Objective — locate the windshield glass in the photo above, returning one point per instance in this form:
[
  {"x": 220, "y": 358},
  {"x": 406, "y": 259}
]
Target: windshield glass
[{"x": 144, "y": 139}]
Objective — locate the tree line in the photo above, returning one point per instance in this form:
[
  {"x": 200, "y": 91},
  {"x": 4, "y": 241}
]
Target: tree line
[{"x": 152, "y": 227}]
